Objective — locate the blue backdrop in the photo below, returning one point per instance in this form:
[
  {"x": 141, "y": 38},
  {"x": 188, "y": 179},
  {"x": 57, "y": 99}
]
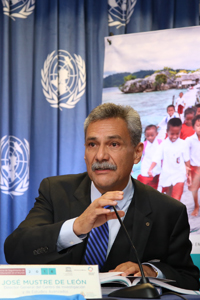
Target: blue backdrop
[{"x": 51, "y": 70}]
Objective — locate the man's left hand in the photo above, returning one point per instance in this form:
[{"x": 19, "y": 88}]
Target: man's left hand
[{"x": 130, "y": 268}]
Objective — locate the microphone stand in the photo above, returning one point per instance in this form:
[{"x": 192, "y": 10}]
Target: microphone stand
[{"x": 144, "y": 289}]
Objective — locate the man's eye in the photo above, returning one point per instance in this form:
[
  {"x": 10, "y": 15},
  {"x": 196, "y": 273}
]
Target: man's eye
[
  {"x": 114, "y": 144},
  {"x": 91, "y": 144}
]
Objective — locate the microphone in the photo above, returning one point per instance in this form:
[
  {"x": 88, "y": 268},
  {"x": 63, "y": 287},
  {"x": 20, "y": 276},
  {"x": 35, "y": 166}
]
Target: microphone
[{"x": 144, "y": 289}]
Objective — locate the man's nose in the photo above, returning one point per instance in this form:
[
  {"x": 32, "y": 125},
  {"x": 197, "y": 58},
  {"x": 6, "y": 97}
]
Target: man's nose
[{"x": 102, "y": 153}]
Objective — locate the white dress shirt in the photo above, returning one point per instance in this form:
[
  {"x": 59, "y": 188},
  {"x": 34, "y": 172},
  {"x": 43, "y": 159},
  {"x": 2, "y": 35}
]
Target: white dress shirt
[{"x": 68, "y": 238}]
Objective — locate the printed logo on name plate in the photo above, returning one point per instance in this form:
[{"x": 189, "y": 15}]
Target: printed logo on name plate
[
  {"x": 120, "y": 12},
  {"x": 18, "y": 8},
  {"x": 14, "y": 168},
  {"x": 63, "y": 79}
]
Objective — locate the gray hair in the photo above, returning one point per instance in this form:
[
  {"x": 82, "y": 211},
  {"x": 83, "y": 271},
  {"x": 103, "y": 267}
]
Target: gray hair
[{"x": 111, "y": 110}]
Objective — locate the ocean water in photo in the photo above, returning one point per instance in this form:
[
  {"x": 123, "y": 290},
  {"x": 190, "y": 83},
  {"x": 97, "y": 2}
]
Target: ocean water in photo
[{"x": 151, "y": 106}]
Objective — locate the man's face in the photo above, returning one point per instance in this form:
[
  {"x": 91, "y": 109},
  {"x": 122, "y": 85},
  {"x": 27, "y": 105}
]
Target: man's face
[
  {"x": 181, "y": 95},
  {"x": 197, "y": 127},
  {"x": 174, "y": 133},
  {"x": 108, "y": 144},
  {"x": 170, "y": 111}
]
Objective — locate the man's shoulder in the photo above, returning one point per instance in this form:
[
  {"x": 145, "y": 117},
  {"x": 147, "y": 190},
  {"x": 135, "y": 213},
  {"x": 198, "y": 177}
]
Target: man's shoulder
[
  {"x": 65, "y": 187},
  {"x": 67, "y": 180},
  {"x": 68, "y": 177}
]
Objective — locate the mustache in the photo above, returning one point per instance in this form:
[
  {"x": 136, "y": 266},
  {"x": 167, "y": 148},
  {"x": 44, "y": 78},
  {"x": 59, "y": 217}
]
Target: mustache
[{"x": 103, "y": 165}]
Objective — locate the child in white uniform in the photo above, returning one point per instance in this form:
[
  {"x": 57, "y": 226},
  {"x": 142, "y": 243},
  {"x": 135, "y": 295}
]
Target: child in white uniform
[
  {"x": 193, "y": 143},
  {"x": 151, "y": 144},
  {"x": 174, "y": 154},
  {"x": 162, "y": 126},
  {"x": 180, "y": 106}
]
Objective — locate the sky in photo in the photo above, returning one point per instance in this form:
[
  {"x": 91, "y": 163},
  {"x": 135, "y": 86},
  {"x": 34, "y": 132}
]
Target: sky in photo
[{"x": 174, "y": 48}]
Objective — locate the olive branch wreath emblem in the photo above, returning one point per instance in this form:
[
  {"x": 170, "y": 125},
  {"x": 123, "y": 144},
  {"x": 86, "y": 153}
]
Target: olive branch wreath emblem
[
  {"x": 23, "y": 13},
  {"x": 23, "y": 184},
  {"x": 51, "y": 97},
  {"x": 118, "y": 24}
]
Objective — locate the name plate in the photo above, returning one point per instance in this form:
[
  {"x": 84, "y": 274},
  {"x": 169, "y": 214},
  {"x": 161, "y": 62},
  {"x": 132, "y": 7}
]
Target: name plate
[{"x": 26, "y": 280}]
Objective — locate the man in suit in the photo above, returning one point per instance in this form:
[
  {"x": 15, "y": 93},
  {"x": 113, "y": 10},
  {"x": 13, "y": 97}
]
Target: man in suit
[{"x": 69, "y": 207}]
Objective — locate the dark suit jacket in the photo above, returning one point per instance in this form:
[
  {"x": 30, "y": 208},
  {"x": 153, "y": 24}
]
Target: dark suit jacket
[{"x": 158, "y": 226}]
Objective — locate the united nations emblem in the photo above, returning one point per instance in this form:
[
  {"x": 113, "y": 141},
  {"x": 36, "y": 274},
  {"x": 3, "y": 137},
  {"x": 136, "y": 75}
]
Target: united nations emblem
[
  {"x": 63, "y": 79},
  {"x": 120, "y": 12},
  {"x": 14, "y": 169},
  {"x": 18, "y": 8}
]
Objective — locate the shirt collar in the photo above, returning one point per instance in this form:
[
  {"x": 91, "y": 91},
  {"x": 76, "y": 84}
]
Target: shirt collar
[{"x": 128, "y": 194}]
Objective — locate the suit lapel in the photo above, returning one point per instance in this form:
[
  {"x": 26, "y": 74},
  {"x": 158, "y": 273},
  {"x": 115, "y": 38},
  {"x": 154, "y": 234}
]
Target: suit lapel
[
  {"x": 82, "y": 196},
  {"x": 141, "y": 227},
  {"x": 143, "y": 222},
  {"x": 82, "y": 201}
]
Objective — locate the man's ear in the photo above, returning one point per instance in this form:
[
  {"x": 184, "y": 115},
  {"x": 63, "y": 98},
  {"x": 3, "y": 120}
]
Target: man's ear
[{"x": 138, "y": 153}]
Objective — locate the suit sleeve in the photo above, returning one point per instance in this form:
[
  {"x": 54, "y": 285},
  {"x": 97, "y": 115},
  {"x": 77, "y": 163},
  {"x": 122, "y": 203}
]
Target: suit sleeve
[
  {"x": 178, "y": 264},
  {"x": 34, "y": 241}
]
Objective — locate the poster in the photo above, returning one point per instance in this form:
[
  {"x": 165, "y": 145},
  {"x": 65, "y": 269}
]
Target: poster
[{"x": 150, "y": 71}]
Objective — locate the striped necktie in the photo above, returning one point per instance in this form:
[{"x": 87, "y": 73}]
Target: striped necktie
[{"x": 97, "y": 245}]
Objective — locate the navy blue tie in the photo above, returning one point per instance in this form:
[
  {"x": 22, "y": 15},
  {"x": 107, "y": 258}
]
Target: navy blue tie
[{"x": 97, "y": 245}]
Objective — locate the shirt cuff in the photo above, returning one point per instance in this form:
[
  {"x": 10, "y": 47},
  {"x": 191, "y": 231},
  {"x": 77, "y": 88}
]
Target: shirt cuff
[
  {"x": 159, "y": 273},
  {"x": 67, "y": 238}
]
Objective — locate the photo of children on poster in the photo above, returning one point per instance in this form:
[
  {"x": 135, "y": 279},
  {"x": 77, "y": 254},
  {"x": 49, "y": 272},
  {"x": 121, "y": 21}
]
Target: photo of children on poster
[{"x": 158, "y": 74}]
